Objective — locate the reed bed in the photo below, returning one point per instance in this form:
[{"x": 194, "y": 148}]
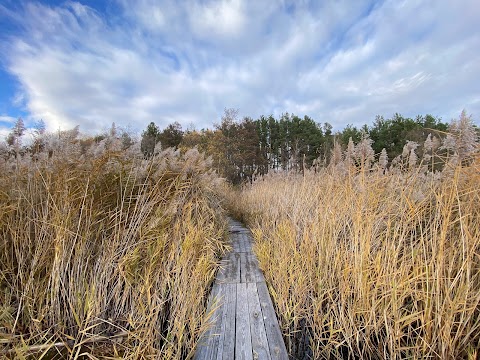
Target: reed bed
[
  {"x": 104, "y": 254},
  {"x": 371, "y": 264}
]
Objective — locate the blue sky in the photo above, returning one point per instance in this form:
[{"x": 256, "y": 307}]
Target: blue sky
[{"x": 91, "y": 63}]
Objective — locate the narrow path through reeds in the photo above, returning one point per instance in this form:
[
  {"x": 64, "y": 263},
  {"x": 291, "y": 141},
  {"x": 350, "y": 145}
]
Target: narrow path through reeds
[{"x": 244, "y": 321}]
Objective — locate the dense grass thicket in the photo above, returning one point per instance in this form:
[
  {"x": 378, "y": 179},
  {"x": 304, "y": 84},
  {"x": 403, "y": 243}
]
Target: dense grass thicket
[
  {"x": 104, "y": 253},
  {"x": 369, "y": 262},
  {"x": 108, "y": 251}
]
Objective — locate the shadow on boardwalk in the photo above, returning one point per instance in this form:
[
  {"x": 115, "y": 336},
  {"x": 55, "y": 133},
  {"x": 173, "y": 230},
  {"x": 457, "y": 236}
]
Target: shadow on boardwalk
[{"x": 244, "y": 321}]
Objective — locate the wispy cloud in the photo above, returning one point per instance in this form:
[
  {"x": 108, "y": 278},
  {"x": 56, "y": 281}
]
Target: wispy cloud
[
  {"x": 6, "y": 123},
  {"x": 165, "y": 61}
]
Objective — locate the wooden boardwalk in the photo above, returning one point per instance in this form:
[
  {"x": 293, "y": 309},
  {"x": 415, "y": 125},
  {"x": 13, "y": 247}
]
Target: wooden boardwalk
[{"x": 244, "y": 322}]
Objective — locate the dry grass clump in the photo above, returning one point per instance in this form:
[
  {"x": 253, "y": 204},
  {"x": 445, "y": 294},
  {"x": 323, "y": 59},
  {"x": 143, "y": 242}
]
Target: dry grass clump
[
  {"x": 372, "y": 264},
  {"x": 101, "y": 244}
]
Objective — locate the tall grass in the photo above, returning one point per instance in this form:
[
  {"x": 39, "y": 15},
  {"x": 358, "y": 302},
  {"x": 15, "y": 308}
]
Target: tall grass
[
  {"x": 99, "y": 245},
  {"x": 368, "y": 265}
]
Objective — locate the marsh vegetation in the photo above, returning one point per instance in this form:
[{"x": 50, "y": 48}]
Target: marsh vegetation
[
  {"x": 369, "y": 261},
  {"x": 99, "y": 243},
  {"x": 109, "y": 251}
]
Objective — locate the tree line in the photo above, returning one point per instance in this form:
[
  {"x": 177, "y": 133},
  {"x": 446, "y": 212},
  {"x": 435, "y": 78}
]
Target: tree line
[{"x": 241, "y": 148}]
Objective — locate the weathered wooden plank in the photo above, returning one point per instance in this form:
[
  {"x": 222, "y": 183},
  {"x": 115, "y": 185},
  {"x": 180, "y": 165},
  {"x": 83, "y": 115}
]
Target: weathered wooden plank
[
  {"x": 235, "y": 243},
  {"x": 223, "y": 270},
  {"x": 230, "y": 269},
  {"x": 272, "y": 329},
  {"x": 243, "y": 269},
  {"x": 241, "y": 246},
  {"x": 257, "y": 274},
  {"x": 247, "y": 243},
  {"x": 236, "y": 226},
  {"x": 244, "y": 322},
  {"x": 242, "y": 242},
  {"x": 248, "y": 269},
  {"x": 227, "y": 352},
  {"x": 235, "y": 273},
  {"x": 224, "y": 337},
  {"x": 207, "y": 341},
  {"x": 243, "y": 339},
  {"x": 257, "y": 327},
  {"x": 215, "y": 336}
]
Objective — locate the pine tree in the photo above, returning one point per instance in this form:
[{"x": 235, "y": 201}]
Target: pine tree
[{"x": 150, "y": 137}]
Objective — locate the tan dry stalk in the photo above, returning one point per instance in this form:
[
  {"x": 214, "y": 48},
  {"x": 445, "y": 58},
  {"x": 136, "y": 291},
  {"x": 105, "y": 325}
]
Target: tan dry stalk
[
  {"x": 369, "y": 265},
  {"x": 106, "y": 245}
]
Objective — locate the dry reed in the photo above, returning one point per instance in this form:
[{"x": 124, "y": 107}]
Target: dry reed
[
  {"x": 367, "y": 265},
  {"x": 106, "y": 246}
]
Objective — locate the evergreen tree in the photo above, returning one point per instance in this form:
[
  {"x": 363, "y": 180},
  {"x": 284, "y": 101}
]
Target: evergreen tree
[
  {"x": 171, "y": 136},
  {"x": 150, "y": 137},
  {"x": 392, "y": 134}
]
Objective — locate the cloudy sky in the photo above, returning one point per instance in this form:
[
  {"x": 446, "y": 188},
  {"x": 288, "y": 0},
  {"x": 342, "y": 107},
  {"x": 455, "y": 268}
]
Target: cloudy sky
[{"x": 92, "y": 63}]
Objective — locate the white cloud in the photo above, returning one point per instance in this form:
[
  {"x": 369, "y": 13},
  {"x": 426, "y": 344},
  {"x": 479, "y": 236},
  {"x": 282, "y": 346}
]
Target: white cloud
[
  {"x": 7, "y": 119},
  {"x": 3, "y": 133},
  {"x": 6, "y": 124},
  {"x": 167, "y": 61},
  {"x": 224, "y": 18}
]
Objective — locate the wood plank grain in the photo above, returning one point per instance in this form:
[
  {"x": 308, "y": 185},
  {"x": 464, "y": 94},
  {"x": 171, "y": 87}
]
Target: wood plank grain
[
  {"x": 272, "y": 329},
  {"x": 244, "y": 324},
  {"x": 243, "y": 339},
  {"x": 242, "y": 267},
  {"x": 223, "y": 270},
  {"x": 230, "y": 269},
  {"x": 248, "y": 269},
  {"x": 230, "y": 302},
  {"x": 235, "y": 242},
  {"x": 247, "y": 243},
  {"x": 234, "y": 275},
  {"x": 241, "y": 246},
  {"x": 257, "y": 274},
  {"x": 260, "y": 346},
  {"x": 220, "y": 325},
  {"x": 215, "y": 336},
  {"x": 205, "y": 347}
]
